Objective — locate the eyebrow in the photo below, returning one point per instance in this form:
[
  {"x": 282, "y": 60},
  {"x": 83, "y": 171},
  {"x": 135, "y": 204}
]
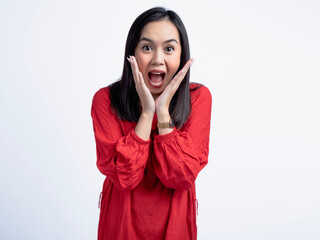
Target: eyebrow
[{"x": 167, "y": 41}]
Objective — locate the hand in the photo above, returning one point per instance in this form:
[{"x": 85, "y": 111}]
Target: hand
[
  {"x": 163, "y": 101},
  {"x": 147, "y": 101}
]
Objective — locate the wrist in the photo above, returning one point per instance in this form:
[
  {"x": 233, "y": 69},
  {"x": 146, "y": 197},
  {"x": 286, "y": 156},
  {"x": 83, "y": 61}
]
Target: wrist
[
  {"x": 165, "y": 127},
  {"x": 163, "y": 116},
  {"x": 147, "y": 114},
  {"x": 169, "y": 124},
  {"x": 143, "y": 127}
]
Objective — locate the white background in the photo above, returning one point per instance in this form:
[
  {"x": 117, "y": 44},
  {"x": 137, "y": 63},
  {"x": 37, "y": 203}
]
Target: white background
[{"x": 260, "y": 60}]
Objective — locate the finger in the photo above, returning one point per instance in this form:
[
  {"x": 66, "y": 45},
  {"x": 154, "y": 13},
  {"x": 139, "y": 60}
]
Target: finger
[
  {"x": 139, "y": 77},
  {"x": 182, "y": 73},
  {"x": 141, "y": 82},
  {"x": 187, "y": 65},
  {"x": 133, "y": 68}
]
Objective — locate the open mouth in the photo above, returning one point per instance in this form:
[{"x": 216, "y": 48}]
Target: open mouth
[{"x": 156, "y": 79}]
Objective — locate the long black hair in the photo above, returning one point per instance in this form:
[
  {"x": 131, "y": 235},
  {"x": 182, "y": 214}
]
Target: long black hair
[{"x": 124, "y": 97}]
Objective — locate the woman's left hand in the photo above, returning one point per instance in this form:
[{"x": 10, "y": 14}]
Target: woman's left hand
[{"x": 163, "y": 101}]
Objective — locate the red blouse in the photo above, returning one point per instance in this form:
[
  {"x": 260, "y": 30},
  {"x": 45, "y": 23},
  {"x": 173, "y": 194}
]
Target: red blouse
[{"x": 149, "y": 190}]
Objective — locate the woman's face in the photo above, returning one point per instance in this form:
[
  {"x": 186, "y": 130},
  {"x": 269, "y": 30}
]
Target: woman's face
[{"x": 158, "y": 54}]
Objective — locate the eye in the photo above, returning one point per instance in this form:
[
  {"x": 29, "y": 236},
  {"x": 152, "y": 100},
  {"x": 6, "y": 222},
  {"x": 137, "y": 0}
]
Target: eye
[
  {"x": 146, "y": 48},
  {"x": 169, "y": 49}
]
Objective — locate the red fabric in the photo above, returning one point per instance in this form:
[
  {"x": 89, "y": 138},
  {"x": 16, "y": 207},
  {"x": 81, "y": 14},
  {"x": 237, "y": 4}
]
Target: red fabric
[{"x": 149, "y": 190}]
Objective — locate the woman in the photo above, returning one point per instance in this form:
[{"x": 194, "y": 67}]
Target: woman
[{"x": 152, "y": 135}]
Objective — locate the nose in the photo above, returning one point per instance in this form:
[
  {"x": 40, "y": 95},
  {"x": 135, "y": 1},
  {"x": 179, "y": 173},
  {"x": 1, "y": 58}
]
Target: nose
[{"x": 157, "y": 58}]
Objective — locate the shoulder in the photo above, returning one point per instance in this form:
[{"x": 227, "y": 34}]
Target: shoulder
[
  {"x": 101, "y": 102},
  {"x": 101, "y": 96},
  {"x": 201, "y": 103},
  {"x": 199, "y": 93}
]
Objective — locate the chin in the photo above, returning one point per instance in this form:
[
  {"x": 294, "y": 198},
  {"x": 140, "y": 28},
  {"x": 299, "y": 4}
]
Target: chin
[{"x": 156, "y": 91}]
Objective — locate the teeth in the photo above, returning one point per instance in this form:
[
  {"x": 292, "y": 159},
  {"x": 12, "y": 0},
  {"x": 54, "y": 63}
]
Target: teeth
[{"x": 156, "y": 73}]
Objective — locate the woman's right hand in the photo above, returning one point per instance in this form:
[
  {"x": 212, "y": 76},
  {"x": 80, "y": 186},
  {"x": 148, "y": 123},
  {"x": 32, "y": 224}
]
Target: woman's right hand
[{"x": 147, "y": 101}]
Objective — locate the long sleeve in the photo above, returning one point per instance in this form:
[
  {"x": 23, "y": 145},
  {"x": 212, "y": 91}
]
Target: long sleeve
[
  {"x": 122, "y": 158},
  {"x": 181, "y": 154}
]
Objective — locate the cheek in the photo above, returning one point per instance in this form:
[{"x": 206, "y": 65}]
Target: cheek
[
  {"x": 142, "y": 62},
  {"x": 139, "y": 60},
  {"x": 174, "y": 65},
  {"x": 142, "y": 65}
]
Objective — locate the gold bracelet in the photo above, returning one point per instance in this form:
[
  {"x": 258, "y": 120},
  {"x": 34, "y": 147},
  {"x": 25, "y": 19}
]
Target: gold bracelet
[{"x": 169, "y": 124}]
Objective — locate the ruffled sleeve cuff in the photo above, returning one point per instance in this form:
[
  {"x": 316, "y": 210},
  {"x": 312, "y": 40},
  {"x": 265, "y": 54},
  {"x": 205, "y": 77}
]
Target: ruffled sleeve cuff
[
  {"x": 159, "y": 138},
  {"x": 138, "y": 139}
]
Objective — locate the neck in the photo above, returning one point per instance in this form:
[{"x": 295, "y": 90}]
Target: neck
[{"x": 155, "y": 96}]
